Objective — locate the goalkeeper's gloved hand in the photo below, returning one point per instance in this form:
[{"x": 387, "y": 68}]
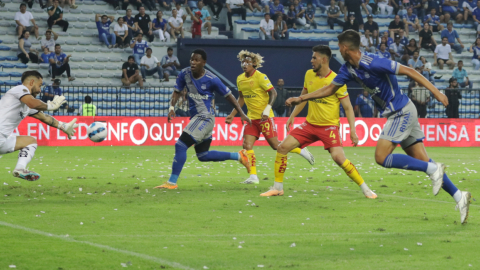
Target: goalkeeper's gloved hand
[
  {"x": 55, "y": 103},
  {"x": 68, "y": 128}
]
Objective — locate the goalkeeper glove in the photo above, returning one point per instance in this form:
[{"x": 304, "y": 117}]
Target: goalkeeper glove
[
  {"x": 55, "y": 103},
  {"x": 68, "y": 128}
]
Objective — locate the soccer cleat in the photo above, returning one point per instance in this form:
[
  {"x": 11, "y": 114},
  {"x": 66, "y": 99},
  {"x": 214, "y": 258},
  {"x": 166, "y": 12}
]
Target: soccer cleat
[
  {"x": 437, "y": 178},
  {"x": 463, "y": 206},
  {"x": 167, "y": 185},
  {"x": 253, "y": 179},
  {"x": 370, "y": 194},
  {"x": 272, "y": 192},
  {"x": 244, "y": 160},
  {"x": 26, "y": 175},
  {"x": 307, "y": 155}
]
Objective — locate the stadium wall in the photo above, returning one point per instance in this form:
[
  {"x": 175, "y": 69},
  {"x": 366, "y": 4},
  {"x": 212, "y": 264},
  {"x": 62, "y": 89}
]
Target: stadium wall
[{"x": 131, "y": 131}]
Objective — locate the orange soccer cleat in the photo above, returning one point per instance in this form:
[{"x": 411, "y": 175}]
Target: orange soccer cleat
[
  {"x": 244, "y": 160},
  {"x": 167, "y": 185},
  {"x": 272, "y": 192}
]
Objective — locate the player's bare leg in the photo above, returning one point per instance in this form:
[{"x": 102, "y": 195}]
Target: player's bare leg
[
  {"x": 339, "y": 157},
  {"x": 27, "y": 146},
  {"x": 462, "y": 198}
]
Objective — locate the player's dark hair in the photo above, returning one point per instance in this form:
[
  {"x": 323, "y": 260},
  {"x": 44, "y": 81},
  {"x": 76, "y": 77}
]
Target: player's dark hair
[
  {"x": 88, "y": 99},
  {"x": 169, "y": 49},
  {"x": 201, "y": 52},
  {"x": 350, "y": 37},
  {"x": 23, "y": 4},
  {"x": 130, "y": 57},
  {"x": 127, "y": 10},
  {"x": 323, "y": 49},
  {"x": 31, "y": 73},
  {"x": 57, "y": 45},
  {"x": 149, "y": 49},
  {"x": 104, "y": 16},
  {"x": 460, "y": 61},
  {"x": 23, "y": 34},
  {"x": 118, "y": 19}
]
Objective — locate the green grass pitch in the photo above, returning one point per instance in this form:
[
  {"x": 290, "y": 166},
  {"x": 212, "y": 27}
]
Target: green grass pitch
[{"x": 95, "y": 208}]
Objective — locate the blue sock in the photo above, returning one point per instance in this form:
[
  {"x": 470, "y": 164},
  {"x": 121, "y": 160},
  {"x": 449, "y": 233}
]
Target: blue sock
[
  {"x": 401, "y": 161},
  {"x": 216, "y": 156},
  {"x": 178, "y": 161},
  {"x": 448, "y": 186}
]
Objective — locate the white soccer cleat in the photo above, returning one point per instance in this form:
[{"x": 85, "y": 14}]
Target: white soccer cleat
[
  {"x": 437, "y": 178},
  {"x": 463, "y": 206},
  {"x": 370, "y": 194},
  {"x": 307, "y": 155},
  {"x": 26, "y": 175},
  {"x": 253, "y": 179}
]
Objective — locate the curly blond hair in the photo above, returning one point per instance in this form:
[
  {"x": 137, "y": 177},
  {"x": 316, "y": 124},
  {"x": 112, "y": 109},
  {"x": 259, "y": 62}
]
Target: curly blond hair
[{"x": 257, "y": 59}]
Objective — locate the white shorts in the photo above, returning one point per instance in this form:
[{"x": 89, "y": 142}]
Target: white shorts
[
  {"x": 7, "y": 145},
  {"x": 203, "y": 23}
]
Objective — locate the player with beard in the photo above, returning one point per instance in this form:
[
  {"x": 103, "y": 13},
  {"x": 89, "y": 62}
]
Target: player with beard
[
  {"x": 18, "y": 103},
  {"x": 322, "y": 124}
]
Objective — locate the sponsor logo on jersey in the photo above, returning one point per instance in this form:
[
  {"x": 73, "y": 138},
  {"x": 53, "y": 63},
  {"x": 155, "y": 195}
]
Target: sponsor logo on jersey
[
  {"x": 319, "y": 100},
  {"x": 197, "y": 96},
  {"x": 249, "y": 96},
  {"x": 334, "y": 141},
  {"x": 331, "y": 128}
]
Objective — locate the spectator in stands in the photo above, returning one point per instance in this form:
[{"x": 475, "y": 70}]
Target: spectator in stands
[
  {"x": 453, "y": 94},
  {"x": 370, "y": 25},
  {"x": 395, "y": 26},
  {"x": 170, "y": 64},
  {"x": 365, "y": 106},
  {"x": 182, "y": 104},
  {"x": 411, "y": 22},
  {"x": 375, "y": 40},
  {"x": 56, "y": 16},
  {"x": 389, "y": 39},
  {"x": 468, "y": 7},
  {"x": 49, "y": 42},
  {"x": 45, "y": 56},
  {"x": 291, "y": 17},
  {"x": 475, "y": 48},
  {"x": 415, "y": 62},
  {"x": 354, "y": 6},
  {"x": 383, "y": 52},
  {"x": 437, "y": 5},
  {"x": 385, "y": 9},
  {"x": 53, "y": 90},
  {"x": 216, "y": 6},
  {"x": 165, "y": 4},
  {"x": 130, "y": 73},
  {"x": 300, "y": 13},
  {"x": 411, "y": 48},
  {"x": 252, "y": 5},
  {"x": 206, "y": 23},
  {"x": 130, "y": 21},
  {"x": 427, "y": 70},
  {"x": 139, "y": 46},
  {"x": 279, "y": 104},
  {"x": 396, "y": 50},
  {"x": 420, "y": 97},
  {"x": 434, "y": 21},
  {"x": 24, "y": 51},
  {"x": 365, "y": 43},
  {"x": 351, "y": 23},
  {"x": 235, "y": 7},
  {"x": 144, "y": 24},
  {"x": 280, "y": 29},
  {"x": 426, "y": 38},
  {"x": 383, "y": 40},
  {"x": 150, "y": 65},
  {"x": 59, "y": 63},
  {"x": 266, "y": 28},
  {"x": 25, "y": 21},
  {"x": 461, "y": 75},
  {"x": 180, "y": 11},
  {"x": 450, "y": 10},
  {"x": 197, "y": 25},
  {"x": 310, "y": 16},
  {"x": 103, "y": 27},
  {"x": 403, "y": 39},
  {"x": 476, "y": 15},
  {"x": 443, "y": 55},
  {"x": 87, "y": 108},
  {"x": 175, "y": 25},
  {"x": 451, "y": 35},
  {"x": 419, "y": 9},
  {"x": 121, "y": 32},
  {"x": 160, "y": 27},
  {"x": 275, "y": 9},
  {"x": 333, "y": 12}
]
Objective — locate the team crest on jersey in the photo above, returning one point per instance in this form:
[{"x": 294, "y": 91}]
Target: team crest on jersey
[
  {"x": 310, "y": 83},
  {"x": 392, "y": 65},
  {"x": 251, "y": 83},
  {"x": 204, "y": 86},
  {"x": 265, "y": 78},
  {"x": 367, "y": 75}
]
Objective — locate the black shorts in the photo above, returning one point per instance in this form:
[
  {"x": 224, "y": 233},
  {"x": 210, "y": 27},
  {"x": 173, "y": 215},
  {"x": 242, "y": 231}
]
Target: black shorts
[
  {"x": 434, "y": 28},
  {"x": 444, "y": 60}
]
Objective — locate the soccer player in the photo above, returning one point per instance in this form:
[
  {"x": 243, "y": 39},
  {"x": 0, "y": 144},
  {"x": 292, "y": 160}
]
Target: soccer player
[
  {"x": 257, "y": 92},
  {"x": 378, "y": 77},
  {"x": 201, "y": 85},
  {"x": 18, "y": 103},
  {"x": 322, "y": 124}
]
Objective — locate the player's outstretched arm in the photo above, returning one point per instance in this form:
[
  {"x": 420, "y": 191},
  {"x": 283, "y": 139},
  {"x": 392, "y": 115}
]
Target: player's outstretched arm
[
  {"x": 411, "y": 73},
  {"x": 67, "y": 128},
  {"x": 39, "y": 105},
  {"x": 241, "y": 102},
  {"x": 347, "y": 106},
  {"x": 296, "y": 111},
  {"x": 272, "y": 95},
  {"x": 320, "y": 93},
  {"x": 231, "y": 99},
  {"x": 173, "y": 102}
]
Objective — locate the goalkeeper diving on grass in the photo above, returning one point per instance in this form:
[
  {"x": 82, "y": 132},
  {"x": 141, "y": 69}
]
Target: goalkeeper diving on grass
[{"x": 18, "y": 103}]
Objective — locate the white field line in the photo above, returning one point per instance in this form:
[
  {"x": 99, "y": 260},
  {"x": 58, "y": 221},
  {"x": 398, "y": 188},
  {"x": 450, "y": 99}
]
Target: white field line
[{"x": 126, "y": 252}]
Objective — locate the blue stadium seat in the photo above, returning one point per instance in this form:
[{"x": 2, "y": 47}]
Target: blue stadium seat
[
  {"x": 166, "y": 91},
  {"x": 3, "y": 58},
  {"x": 162, "y": 99},
  {"x": 465, "y": 102},
  {"x": 12, "y": 82},
  {"x": 7, "y": 65},
  {"x": 318, "y": 31},
  {"x": 125, "y": 91},
  {"x": 132, "y": 106},
  {"x": 302, "y": 38},
  {"x": 124, "y": 99},
  {"x": 146, "y": 107},
  {"x": 136, "y": 99},
  {"x": 21, "y": 65},
  {"x": 109, "y": 98},
  {"x": 153, "y": 91},
  {"x": 96, "y": 98},
  {"x": 253, "y": 37},
  {"x": 4, "y": 48},
  {"x": 307, "y": 31},
  {"x": 105, "y": 107},
  {"x": 314, "y": 39},
  {"x": 160, "y": 107},
  {"x": 150, "y": 99},
  {"x": 11, "y": 58},
  {"x": 15, "y": 74},
  {"x": 237, "y": 21},
  {"x": 2, "y": 89},
  {"x": 4, "y": 74}
]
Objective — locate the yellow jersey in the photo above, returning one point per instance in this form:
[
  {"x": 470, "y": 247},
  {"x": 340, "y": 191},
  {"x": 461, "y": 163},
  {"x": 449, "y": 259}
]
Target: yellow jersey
[
  {"x": 323, "y": 111},
  {"x": 255, "y": 93}
]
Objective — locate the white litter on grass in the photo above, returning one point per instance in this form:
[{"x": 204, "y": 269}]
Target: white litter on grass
[
  {"x": 381, "y": 245},
  {"x": 293, "y": 245},
  {"x": 14, "y": 266},
  {"x": 123, "y": 264},
  {"x": 239, "y": 246},
  {"x": 352, "y": 249},
  {"x": 80, "y": 189},
  {"x": 5, "y": 184},
  {"x": 261, "y": 265},
  {"x": 419, "y": 244},
  {"x": 205, "y": 267},
  {"x": 234, "y": 238},
  {"x": 81, "y": 223},
  {"x": 405, "y": 249},
  {"x": 240, "y": 212},
  {"x": 115, "y": 209}
]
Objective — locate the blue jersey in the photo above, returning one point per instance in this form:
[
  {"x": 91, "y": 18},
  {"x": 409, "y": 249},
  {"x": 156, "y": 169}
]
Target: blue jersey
[
  {"x": 128, "y": 21},
  {"x": 46, "y": 57},
  {"x": 385, "y": 54},
  {"x": 159, "y": 24},
  {"x": 377, "y": 76},
  {"x": 103, "y": 28},
  {"x": 433, "y": 20},
  {"x": 365, "y": 105},
  {"x": 58, "y": 58},
  {"x": 140, "y": 47},
  {"x": 201, "y": 91},
  {"x": 55, "y": 91},
  {"x": 410, "y": 18}
]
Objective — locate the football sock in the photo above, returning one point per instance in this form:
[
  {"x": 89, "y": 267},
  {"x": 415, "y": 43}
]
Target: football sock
[
  {"x": 25, "y": 156},
  {"x": 280, "y": 167},
  {"x": 178, "y": 161},
  {"x": 296, "y": 150},
  {"x": 449, "y": 187},
  {"x": 364, "y": 187},
  {"x": 352, "y": 172},
  {"x": 217, "y": 156},
  {"x": 401, "y": 161},
  {"x": 253, "y": 161}
]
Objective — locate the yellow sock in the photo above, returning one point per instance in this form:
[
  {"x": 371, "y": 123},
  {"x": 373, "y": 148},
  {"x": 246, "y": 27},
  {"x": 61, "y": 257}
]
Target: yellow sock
[
  {"x": 280, "y": 167},
  {"x": 253, "y": 161},
  {"x": 352, "y": 172},
  {"x": 296, "y": 150}
]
